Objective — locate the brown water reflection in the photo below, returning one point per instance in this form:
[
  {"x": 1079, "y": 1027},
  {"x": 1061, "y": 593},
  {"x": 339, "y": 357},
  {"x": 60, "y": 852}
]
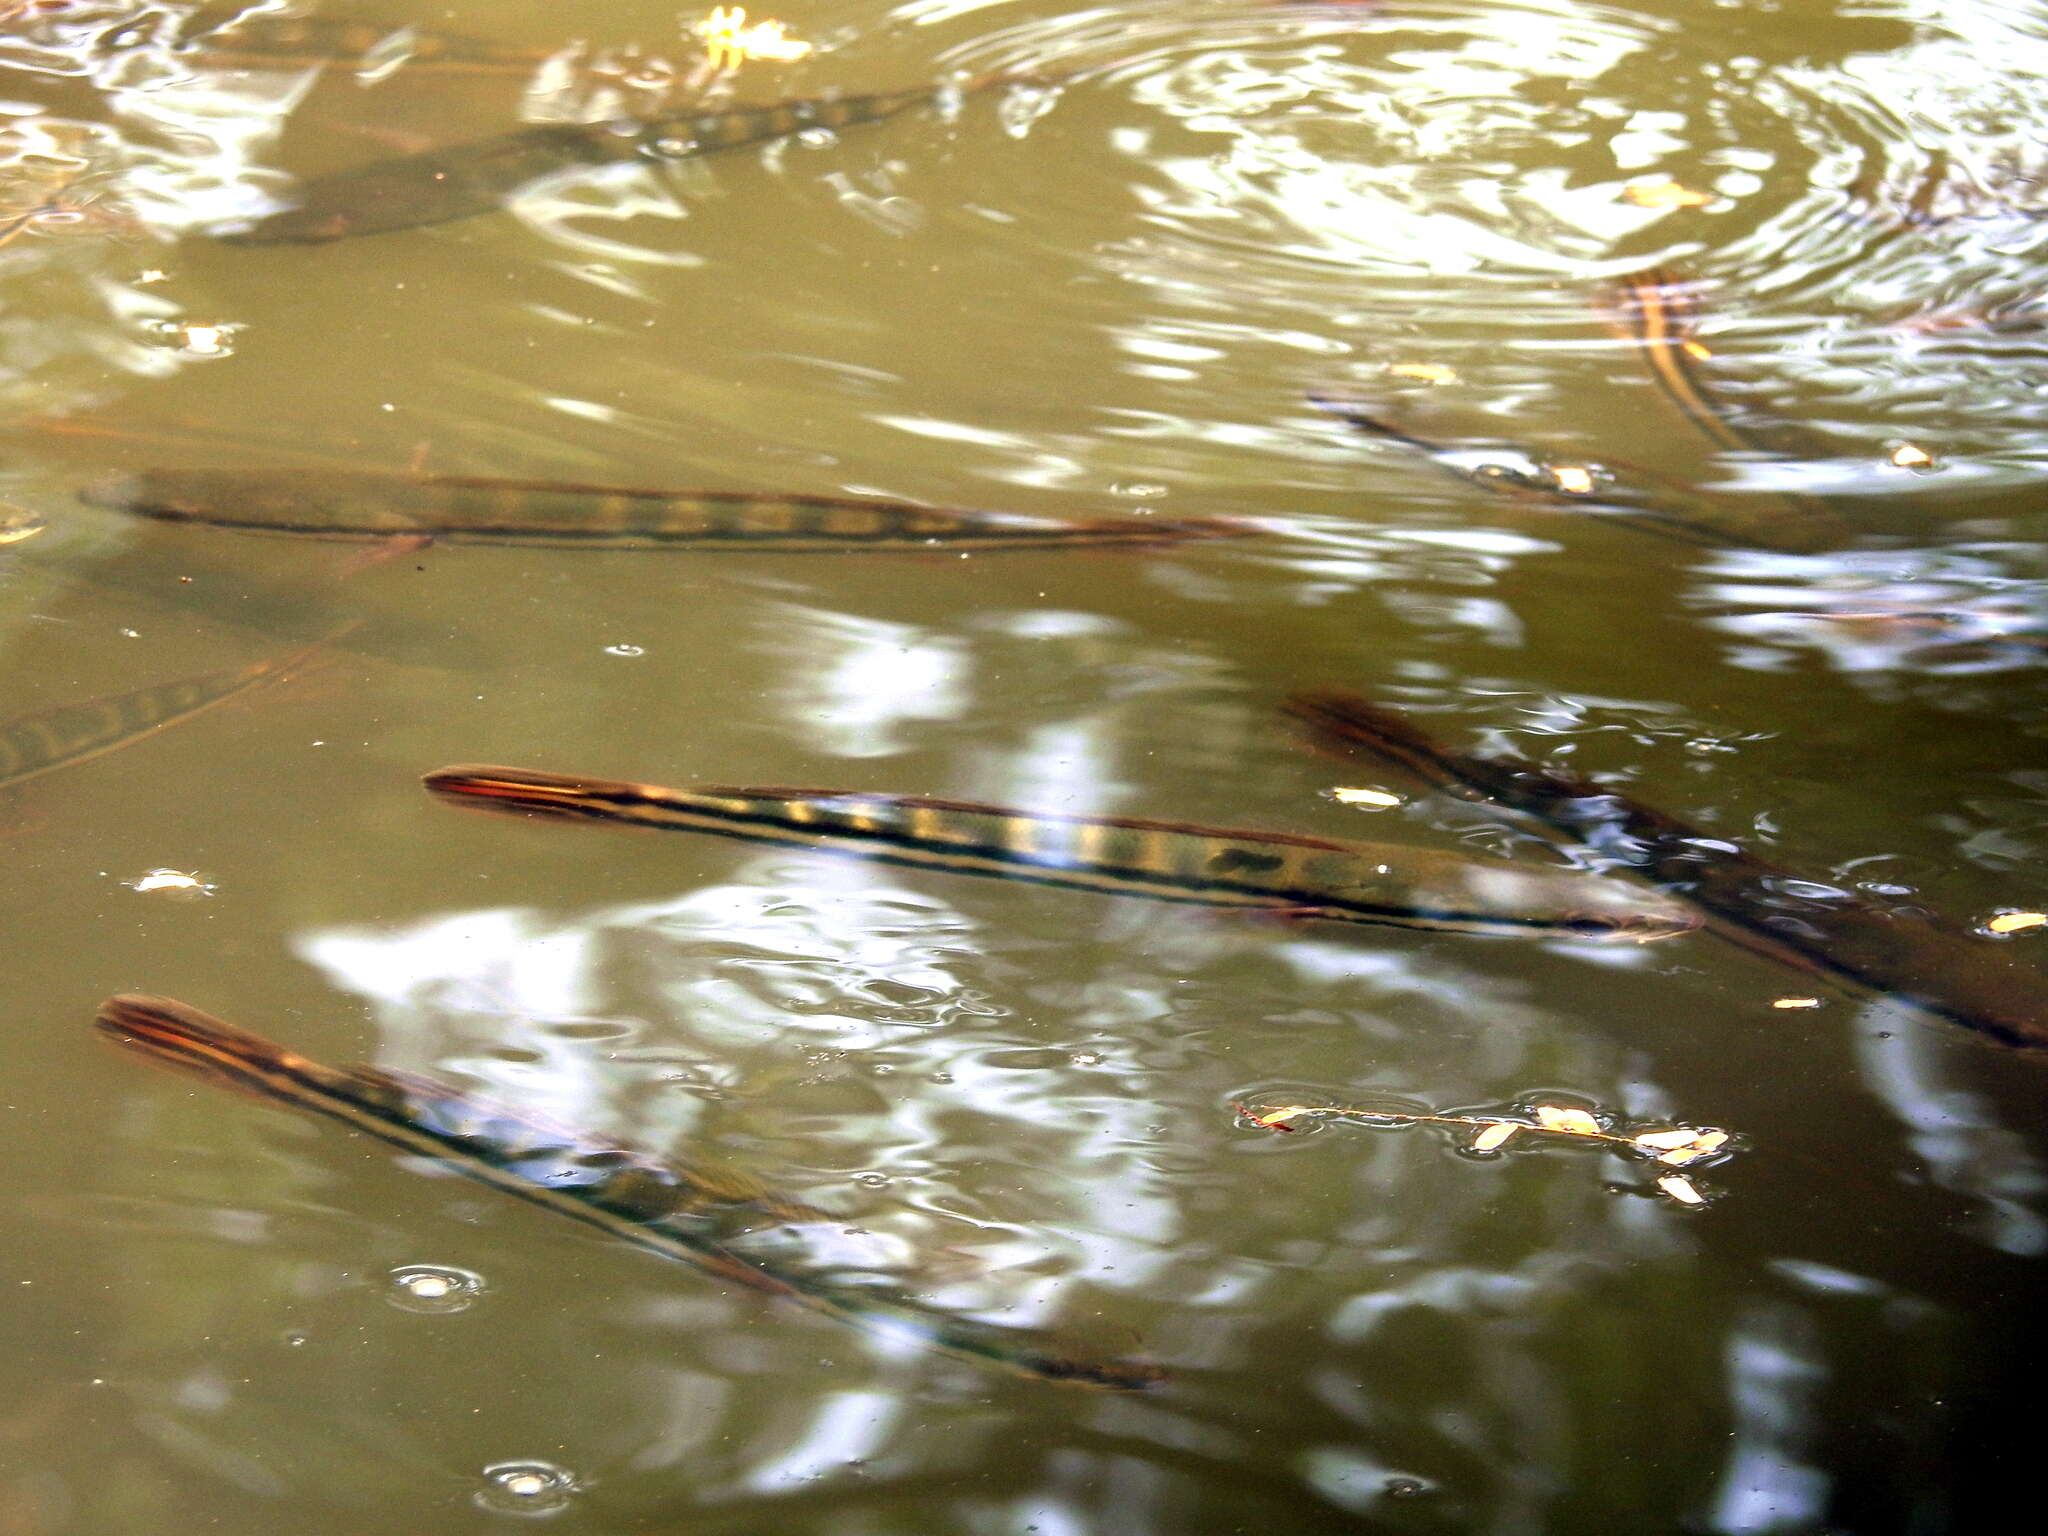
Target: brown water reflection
[{"x": 1106, "y": 296}]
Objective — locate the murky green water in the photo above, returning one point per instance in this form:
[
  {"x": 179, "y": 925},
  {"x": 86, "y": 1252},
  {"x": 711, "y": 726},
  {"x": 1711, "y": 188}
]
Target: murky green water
[{"x": 1108, "y": 295}]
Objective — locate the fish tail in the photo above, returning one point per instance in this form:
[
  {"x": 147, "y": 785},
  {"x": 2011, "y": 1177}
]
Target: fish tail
[{"x": 179, "y": 1036}]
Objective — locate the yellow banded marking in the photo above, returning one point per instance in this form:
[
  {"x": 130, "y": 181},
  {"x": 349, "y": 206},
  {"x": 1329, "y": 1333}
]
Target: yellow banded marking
[{"x": 1663, "y": 336}]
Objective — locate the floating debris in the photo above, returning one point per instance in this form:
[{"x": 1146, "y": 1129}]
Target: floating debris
[
  {"x": 1665, "y": 194},
  {"x": 2015, "y": 922},
  {"x": 526, "y": 1488},
  {"x": 337, "y": 504},
  {"x": 679, "y": 1212},
  {"x": 435, "y": 1289},
  {"x": 730, "y": 40},
  {"x": 177, "y": 881},
  {"x": 18, "y": 523},
  {"x": 1853, "y": 942},
  {"x": 1913, "y": 456},
  {"x": 1378, "y": 799},
  {"x": 1429, "y": 373},
  {"x": 1672, "y": 1146},
  {"x": 1162, "y": 860},
  {"x": 1795, "y": 1002}
]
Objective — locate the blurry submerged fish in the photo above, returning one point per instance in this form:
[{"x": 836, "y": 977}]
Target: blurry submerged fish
[
  {"x": 72, "y": 733},
  {"x": 1638, "y": 499},
  {"x": 288, "y": 42},
  {"x": 1626, "y": 494},
  {"x": 467, "y": 179},
  {"x": 1167, "y": 861},
  {"x": 1970, "y": 981},
  {"x": 322, "y": 503},
  {"x": 678, "y": 1212}
]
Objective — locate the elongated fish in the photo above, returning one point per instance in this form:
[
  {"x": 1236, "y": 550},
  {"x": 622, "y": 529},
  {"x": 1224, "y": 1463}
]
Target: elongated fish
[
  {"x": 678, "y": 1212},
  {"x": 1659, "y": 309},
  {"x": 1970, "y": 981},
  {"x": 72, "y": 733},
  {"x": 1164, "y": 860},
  {"x": 1640, "y": 500},
  {"x": 319, "y": 503},
  {"x": 463, "y": 180}
]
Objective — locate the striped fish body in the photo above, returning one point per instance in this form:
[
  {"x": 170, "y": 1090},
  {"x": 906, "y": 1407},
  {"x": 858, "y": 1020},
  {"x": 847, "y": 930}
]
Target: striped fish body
[
  {"x": 343, "y": 505},
  {"x": 668, "y": 1209},
  {"x": 463, "y": 180},
  {"x": 71, "y": 733},
  {"x": 1660, "y": 310},
  {"x": 1167, "y": 861},
  {"x": 1747, "y": 900}
]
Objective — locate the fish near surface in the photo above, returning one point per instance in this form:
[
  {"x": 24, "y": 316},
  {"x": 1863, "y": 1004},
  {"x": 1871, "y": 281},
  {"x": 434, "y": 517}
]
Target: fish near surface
[
  {"x": 1652, "y": 505},
  {"x": 464, "y": 180},
  {"x": 1166, "y": 861},
  {"x": 319, "y": 503},
  {"x": 676, "y": 1211},
  {"x": 1969, "y": 980}
]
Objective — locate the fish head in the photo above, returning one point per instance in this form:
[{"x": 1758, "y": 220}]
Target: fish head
[{"x": 521, "y": 789}]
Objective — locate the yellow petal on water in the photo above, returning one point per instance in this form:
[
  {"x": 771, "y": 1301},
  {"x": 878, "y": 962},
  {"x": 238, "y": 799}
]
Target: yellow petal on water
[
  {"x": 1665, "y": 194},
  {"x": 1680, "y": 1188},
  {"x": 1660, "y": 1140},
  {"x": 1493, "y": 1136},
  {"x": 1912, "y": 456},
  {"x": 1575, "y": 478},
  {"x": 1696, "y": 349},
  {"x": 1571, "y": 1122},
  {"x": 1378, "y": 797},
  {"x": 2016, "y": 922},
  {"x": 1795, "y": 1002},
  {"x": 1429, "y": 373}
]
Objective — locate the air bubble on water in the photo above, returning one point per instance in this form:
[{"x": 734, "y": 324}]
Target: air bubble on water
[
  {"x": 625, "y": 650},
  {"x": 1086, "y": 1058},
  {"x": 526, "y": 1488},
  {"x": 434, "y": 1288},
  {"x": 871, "y": 1180}
]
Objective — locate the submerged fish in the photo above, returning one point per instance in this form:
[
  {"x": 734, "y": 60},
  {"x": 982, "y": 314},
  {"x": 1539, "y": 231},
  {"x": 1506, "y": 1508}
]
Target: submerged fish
[
  {"x": 1971, "y": 981},
  {"x": 319, "y": 503},
  {"x": 1659, "y": 309},
  {"x": 72, "y": 733},
  {"x": 1649, "y": 503},
  {"x": 467, "y": 179},
  {"x": 678, "y": 1212},
  {"x": 270, "y": 41},
  {"x": 1167, "y": 861}
]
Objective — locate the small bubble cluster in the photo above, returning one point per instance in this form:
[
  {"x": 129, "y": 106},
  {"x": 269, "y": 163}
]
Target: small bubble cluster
[{"x": 434, "y": 1288}]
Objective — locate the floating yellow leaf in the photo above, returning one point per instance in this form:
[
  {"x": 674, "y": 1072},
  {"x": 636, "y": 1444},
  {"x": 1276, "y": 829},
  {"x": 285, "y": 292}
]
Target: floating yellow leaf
[
  {"x": 1377, "y": 797},
  {"x": 1494, "y": 1135},
  {"x": 1575, "y": 478},
  {"x": 2016, "y": 922},
  {"x": 1276, "y": 1119},
  {"x": 1429, "y": 373},
  {"x": 1795, "y": 1002},
  {"x": 1912, "y": 456},
  {"x": 1572, "y": 1122},
  {"x": 1696, "y": 349},
  {"x": 1680, "y": 1188}
]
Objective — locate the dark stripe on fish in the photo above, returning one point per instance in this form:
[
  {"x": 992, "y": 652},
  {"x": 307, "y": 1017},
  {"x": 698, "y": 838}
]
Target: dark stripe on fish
[
  {"x": 1868, "y": 949},
  {"x": 1165, "y": 861},
  {"x": 340, "y": 505},
  {"x": 463, "y": 180},
  {"x": 667, "y": 1209}
]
